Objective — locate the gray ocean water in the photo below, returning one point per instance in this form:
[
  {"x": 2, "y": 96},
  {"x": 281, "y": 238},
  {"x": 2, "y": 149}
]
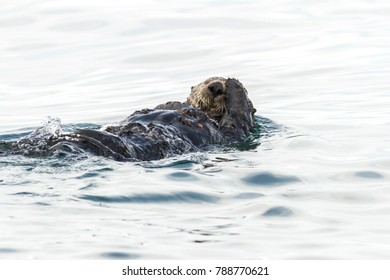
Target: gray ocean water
[{"x": 314, "y": 185}]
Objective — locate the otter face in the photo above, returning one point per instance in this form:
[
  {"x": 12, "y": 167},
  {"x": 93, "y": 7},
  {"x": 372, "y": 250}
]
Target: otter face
[
  {"x": 209, "y": 96},
  {"x": 225, "y": 100}
]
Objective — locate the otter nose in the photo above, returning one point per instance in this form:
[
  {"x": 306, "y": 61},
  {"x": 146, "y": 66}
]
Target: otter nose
[{"x": 216, "y": 88}]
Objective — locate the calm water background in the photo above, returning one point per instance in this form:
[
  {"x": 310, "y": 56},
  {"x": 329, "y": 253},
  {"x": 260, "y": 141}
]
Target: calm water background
[{"x": 316, "y": 189}]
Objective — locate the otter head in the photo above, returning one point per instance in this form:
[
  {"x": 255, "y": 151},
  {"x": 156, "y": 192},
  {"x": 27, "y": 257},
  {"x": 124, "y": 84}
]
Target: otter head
[
  {"x": 208, "y": 96},
  {"x": 225, "y": 100}
]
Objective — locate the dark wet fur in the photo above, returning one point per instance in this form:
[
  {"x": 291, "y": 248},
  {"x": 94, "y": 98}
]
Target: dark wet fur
[{"x": 169, "y": 129}]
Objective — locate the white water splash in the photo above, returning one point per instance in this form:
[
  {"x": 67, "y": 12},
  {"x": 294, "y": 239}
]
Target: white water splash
[
  {"x": 37, "y": 140},
  {"x": 50, "y": 127}
]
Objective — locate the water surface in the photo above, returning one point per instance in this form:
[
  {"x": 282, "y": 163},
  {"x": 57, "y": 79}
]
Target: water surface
[{"x": 314, "y": 185}]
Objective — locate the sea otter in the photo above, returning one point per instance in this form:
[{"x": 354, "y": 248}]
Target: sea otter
[{"x": 217, "y": 112}]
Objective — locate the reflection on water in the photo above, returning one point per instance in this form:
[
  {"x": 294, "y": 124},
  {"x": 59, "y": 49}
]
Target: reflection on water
[{"x": 310, "y": 183}]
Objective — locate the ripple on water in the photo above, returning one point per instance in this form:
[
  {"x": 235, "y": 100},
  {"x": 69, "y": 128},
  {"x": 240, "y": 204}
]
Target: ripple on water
[
  {"x": 339, "y": 196},
  {"x": 89, "y": 186},
  {"x": 42, "y": 204},
  {"x": 182, "y": 162},
  {"x": 99, "y": 172},
  {"x": 190, "y": 197},
  {"x": 269, "y": 179},
  {"x": 89, "y": 175},
  {"x": 278, "y": 211},
  {"x": 349, "y": 176},
  {"x": 119, "y": 256},
  {"x": 248, "y": 195},
  {"x": 7, "y": 250},
  {"x": 369, "y": 175},
  {"x": 181, "y": 176},
  {"x": 31, "y": 194}
]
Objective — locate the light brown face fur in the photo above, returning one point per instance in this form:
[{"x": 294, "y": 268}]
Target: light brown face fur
[{"x": 209, "y": 96}]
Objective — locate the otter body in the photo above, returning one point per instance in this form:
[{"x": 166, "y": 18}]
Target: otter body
[{"x": 217, "y": 112}]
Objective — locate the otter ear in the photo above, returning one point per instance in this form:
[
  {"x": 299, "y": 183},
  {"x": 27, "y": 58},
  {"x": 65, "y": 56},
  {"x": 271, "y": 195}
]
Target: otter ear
[{"x": 192, "y": 88}]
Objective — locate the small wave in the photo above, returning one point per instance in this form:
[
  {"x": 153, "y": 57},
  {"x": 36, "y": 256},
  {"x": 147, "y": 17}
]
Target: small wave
[
  {"x": 181, "y": 176},
  {"x": 248, "y": 195},
  {"x": 181, "y": 161},
  {"x": 119, "y": 256},
  {"x": 89, "y": 175},
  {"x": 7, "y": 250},
  {"x": 369, "y": 175},
  {"x": 35, "y": 142},
  {"x": 270, "y": 180},
  {"x": 14, "y": 136},
  {"x": 263, "y": 128},
  {"x": 31, "y": 194},
  {"x": 190, "y": 197},
  {"x": 75, "y": 126},
  {"x": 278, "y": 211}
]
